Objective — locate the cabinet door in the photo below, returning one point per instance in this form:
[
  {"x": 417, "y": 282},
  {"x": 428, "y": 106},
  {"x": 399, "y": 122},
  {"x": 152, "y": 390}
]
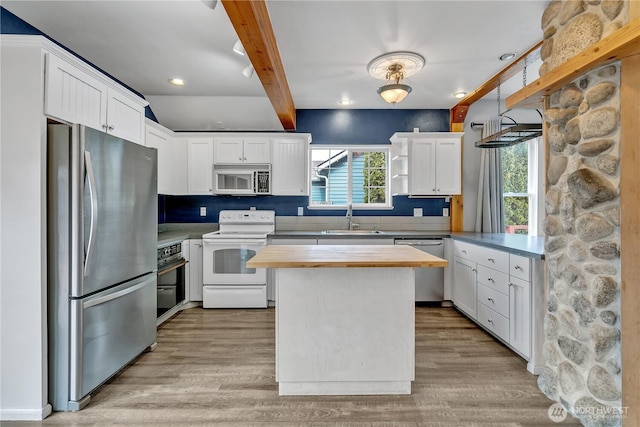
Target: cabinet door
[
  {"x": 257, "y": 150},
  {"x": 228, "y": 150},
  {"x": 179, "y": 180},
  {"x": 195, "y": 270},
  {"x": 289, "y": 168},
  {"x": 448, "y": 168},
  {"x": 162, "y": 143},
  {"x": 125, "y": 118},
  {"x": 422, "y": 166},
  {"x": 520, "y": 312},
  {"x": 464, "y": 286},
  {"x": 200, "y": 164},
  {"x": 73, "y": 96}
]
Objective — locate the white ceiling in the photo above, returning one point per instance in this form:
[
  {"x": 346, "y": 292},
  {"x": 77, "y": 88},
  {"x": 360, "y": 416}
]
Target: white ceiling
[{"x": 325, "y": 48}]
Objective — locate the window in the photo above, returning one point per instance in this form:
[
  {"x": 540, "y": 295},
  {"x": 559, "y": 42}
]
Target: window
[
  {"x": 349, "y": 175},
  {"x": 520, "y": 187}
]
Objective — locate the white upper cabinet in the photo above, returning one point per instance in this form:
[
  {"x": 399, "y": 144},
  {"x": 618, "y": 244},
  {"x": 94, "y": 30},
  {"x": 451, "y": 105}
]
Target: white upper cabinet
[
  {"x": 427, "y": 163},
  {"x": 172, "y": 158},
  {"x": 238, "y": 150},
  {"x": 200, "y": 165},
  {"x": 289, "y": 169},
  {"x": 75, "y": 95}
]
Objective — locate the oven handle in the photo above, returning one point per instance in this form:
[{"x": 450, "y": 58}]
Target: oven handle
[{"x": 173, "y": 267}]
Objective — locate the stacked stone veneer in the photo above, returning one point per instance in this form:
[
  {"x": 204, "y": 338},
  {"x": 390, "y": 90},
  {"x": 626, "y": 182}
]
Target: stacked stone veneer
[{"x": 582, "y": 223}]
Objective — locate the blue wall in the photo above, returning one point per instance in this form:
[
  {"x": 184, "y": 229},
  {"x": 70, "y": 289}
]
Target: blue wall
[
  {"x": 367, "y": 127},
  {"x": 187, "y": 208}
]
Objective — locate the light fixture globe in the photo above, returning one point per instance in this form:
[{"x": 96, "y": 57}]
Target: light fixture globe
[
  {"x": 394, "y": 67},
  {"x": 394, "y": 93}
]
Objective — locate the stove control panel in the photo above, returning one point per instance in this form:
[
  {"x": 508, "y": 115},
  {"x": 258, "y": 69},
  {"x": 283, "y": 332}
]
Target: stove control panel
[{"x": 247, "y": 217}]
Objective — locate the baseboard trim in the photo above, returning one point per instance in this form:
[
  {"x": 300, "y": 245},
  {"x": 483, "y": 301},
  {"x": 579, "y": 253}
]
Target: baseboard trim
[{"x": 25, "y": 414}]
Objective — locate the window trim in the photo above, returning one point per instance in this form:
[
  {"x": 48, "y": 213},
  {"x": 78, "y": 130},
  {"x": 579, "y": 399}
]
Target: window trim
[
  {"x": 533, "y": 186},
  {"x": 350, "y": 149}
]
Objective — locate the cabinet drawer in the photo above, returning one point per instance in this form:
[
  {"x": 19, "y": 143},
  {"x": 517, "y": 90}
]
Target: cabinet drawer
[
  {"x": 493, "y": 299},
  {"x": 467, "y": 250},
  {"x": 520, "y": 267},
  {"x": 493, "y": 321},
  {"x": 495, "y": 259},
  {"x": 493, "y": 279}
]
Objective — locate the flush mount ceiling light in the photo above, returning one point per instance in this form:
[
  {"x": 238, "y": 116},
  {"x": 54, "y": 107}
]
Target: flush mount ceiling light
[
  {"x": 461, "y": 94},
  {"x": 394, "y": 67},
  {"x": 177, "y": 82},
  {"x": 507, "y": 56},
  {"x": 239, "y": 49}
]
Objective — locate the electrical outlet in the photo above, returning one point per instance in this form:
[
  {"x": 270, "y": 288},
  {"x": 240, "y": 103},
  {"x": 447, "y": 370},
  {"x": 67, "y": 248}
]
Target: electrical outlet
[
  {"x": 417, "y": 211},
  {"x": 300, "y": 211},
  {"x": 445, "y": 211},
  {"x": 203, "y": 211},
  {"x": 252, "y": 208}
]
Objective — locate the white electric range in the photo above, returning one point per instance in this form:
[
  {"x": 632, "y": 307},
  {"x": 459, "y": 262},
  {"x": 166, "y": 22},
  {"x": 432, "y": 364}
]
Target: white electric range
[{"x": 228, "y": 283}]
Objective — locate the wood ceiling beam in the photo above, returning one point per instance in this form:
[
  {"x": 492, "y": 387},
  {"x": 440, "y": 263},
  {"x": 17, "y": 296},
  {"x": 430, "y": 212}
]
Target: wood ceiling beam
[
  {"x": 459, "y": 111},
  {"x": 253, "y": 26}
]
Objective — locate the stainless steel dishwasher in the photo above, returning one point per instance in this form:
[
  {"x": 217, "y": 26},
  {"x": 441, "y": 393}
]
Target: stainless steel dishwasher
[{"x": 429, "y": 281}]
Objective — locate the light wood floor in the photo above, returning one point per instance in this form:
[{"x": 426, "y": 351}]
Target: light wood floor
[{"x": 217, "y": 367}]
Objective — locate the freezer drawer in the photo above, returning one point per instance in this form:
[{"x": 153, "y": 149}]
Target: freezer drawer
[{"x": 114, "y": 326}]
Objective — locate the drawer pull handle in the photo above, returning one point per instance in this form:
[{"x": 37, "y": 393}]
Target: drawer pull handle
[
  {"x": 491, "y": 259},
  {"x": 517, "y": 267},
  {"x": 490, "y": 279},
  {"x": 490, "y": 299}
]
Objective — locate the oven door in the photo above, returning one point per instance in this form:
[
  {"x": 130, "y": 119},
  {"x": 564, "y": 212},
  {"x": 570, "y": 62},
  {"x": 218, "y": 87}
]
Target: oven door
[{"x": 224, "y": 262}]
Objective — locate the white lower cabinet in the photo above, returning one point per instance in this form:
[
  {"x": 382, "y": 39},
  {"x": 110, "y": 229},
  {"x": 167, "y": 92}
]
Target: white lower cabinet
[
  {"x": 464, "y": 286},
  {"x": 194, "y": 272},
  {"x": 503, "y": 293},
  {"x": 520, "y": 319}
]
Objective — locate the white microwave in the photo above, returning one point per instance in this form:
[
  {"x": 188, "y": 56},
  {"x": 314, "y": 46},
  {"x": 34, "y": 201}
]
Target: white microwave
[{"x": 238, "y": 180}]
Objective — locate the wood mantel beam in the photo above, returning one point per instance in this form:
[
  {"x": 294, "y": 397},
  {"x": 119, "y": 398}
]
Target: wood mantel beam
[
  {"x": 250, "y": 18},
  {"x": 459, "y": 111}
]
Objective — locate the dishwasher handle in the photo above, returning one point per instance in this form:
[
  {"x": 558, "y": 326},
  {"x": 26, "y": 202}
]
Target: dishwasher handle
[{"x": 429, "y": 242}]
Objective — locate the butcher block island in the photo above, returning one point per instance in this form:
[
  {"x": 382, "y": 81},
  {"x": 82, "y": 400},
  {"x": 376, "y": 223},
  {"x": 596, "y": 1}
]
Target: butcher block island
[{"x": 345, "y": 320}]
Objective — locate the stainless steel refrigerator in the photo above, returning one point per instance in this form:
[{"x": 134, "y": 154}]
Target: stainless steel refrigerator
[{"x": 102, "y": 234}]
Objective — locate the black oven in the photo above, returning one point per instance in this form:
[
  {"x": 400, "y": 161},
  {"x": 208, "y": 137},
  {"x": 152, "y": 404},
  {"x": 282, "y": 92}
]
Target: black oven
[{"x": 171, "y": 277}]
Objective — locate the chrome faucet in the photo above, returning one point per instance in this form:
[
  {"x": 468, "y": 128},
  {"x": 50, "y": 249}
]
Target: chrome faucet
[{"x": 350, "y": 216}]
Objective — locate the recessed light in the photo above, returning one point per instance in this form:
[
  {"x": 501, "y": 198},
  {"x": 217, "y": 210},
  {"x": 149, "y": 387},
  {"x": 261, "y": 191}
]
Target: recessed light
[
  {"x": 345, "y": 101},
  {"x": 177, "y": 82},
  {"x": 460, "y": 94},
  {"x": 507, "y": 56}
]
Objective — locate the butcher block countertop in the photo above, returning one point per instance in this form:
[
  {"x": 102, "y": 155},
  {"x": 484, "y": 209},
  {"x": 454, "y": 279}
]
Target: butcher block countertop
[{"x": 341, "y": 256}]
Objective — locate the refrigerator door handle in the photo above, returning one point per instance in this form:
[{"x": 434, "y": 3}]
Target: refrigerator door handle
[
  {"x": 94, "y": 212},
  {"x": 107, "y": 298}
]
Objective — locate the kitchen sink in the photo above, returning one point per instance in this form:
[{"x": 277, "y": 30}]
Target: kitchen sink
[{"x": 354, "y": 232}]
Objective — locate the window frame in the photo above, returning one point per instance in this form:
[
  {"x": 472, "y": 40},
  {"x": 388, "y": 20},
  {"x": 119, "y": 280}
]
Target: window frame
[
  {"x": 533, "y": 186},
  {"x": 350, "y": 149}
]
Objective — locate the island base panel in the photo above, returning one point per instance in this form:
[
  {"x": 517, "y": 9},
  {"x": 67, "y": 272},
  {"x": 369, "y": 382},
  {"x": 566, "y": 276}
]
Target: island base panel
[{"x": 345, "y": 330}]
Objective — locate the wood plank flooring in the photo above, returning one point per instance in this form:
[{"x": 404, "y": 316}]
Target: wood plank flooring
[{"x": 217, "y": 367}]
